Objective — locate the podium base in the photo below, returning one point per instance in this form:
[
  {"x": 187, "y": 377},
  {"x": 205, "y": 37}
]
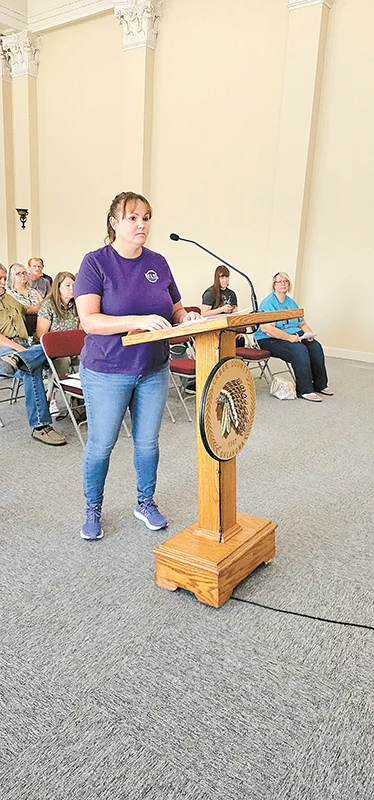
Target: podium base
[{"x": 211, "y": 570}]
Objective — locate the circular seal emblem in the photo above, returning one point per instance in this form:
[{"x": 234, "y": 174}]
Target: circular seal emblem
[
  {"x": 227, "y": 408},
  {"x": 151, "y": 276}
]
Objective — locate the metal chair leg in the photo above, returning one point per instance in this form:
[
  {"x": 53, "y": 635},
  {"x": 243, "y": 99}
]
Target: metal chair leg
[
  {"x": 15, "y": 389},
  {"x": 124, "y": 425},
  {"x": 179, "y": 393},
  {"x": 71, "y": 415},
  {"x": 170, "y": 412}
]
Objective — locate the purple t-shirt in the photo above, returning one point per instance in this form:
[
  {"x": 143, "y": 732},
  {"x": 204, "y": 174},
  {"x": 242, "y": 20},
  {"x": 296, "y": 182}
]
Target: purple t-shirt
[{"x": 142, "y": 285}]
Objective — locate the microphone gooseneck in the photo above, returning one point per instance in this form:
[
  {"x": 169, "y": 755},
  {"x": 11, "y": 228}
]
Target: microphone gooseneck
[{"x": 176, "y": 238}]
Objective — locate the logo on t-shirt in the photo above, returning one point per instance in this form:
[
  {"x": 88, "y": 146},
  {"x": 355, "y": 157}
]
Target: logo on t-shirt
[{"x": 151, "y": 276}]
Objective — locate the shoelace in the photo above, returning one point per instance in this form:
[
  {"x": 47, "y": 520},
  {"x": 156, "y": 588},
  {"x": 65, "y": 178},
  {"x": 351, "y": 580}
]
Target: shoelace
[
  {"x": 146, "y": 506},
  {"x": 93, "y": 514}
]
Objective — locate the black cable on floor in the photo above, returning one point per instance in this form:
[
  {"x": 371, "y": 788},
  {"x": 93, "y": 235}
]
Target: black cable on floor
[{"x": 300, "y": 614}]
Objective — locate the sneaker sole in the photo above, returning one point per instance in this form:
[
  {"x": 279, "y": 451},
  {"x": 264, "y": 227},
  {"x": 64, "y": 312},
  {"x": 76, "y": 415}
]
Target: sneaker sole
[
  {"x": 147, "y": 523},
  {"x": 91, "y": 538}
]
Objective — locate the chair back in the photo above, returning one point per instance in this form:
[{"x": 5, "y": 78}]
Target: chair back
[
  {"x": 193, "y": 308},
  {"x": 57, "y": 344}
]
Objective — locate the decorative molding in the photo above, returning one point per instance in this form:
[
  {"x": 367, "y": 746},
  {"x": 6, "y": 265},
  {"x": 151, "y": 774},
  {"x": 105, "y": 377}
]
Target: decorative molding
[
  {"x": 140, "y": 20},
  {"x": 12, "y": 19},
  {"x": 5, "y": 69},
  {"x": 23, "y": 51},
  {"x": 293, "y": 4},
  {"x": 71, "y": 11},
  {"x": 353, "y": 355}
]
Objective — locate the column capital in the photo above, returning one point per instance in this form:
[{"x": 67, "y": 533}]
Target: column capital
[
  {"x": 293, "y": 4},
  {"x": 22, "y": 50},
  {"x": 140, "y": 20},
  {"x": 5, "y": 69}
]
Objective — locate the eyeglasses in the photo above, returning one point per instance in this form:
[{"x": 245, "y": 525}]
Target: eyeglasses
[
  {"x": 282, "y": 281},
  {"x": 21, "y": 273}
]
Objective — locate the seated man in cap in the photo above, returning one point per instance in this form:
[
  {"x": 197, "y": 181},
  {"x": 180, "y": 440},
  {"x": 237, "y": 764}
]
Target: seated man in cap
[{"x": 19, "y": 359}]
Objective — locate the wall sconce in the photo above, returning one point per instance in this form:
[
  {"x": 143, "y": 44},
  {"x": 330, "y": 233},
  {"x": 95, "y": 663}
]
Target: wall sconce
[{"x": 23, "y": 214}]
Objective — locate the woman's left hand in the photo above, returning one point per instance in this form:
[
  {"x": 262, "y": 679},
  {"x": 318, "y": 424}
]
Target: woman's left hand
[{"x": 191, "y": 315}]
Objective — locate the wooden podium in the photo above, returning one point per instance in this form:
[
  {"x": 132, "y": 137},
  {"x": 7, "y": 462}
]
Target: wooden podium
[{"x": 211, "y": 556}]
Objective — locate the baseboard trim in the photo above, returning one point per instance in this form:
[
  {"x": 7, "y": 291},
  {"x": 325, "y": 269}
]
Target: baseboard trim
[{"x": 354, "y": 355}]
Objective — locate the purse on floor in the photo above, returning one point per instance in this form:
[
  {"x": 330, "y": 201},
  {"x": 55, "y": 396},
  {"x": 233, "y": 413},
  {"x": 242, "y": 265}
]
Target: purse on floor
[{"x": 283, "y": 390}]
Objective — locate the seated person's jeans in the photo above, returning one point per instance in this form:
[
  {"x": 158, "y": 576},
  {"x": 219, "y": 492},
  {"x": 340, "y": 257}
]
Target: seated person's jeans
[
  {"x": 307, "y": 360},
  {"x": 32, "y": 360}
]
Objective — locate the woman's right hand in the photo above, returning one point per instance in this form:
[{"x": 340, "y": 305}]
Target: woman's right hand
[
  {"x": 226, "y": 309},
  {"x": 153, "y": 322},
  {"x": 295, "y": 338}
]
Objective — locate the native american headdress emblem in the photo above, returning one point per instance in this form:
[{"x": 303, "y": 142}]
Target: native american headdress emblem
[{"x": 232, "y": 408}]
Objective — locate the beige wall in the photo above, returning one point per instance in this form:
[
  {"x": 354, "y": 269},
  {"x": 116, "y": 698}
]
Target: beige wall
[
  {"x": 217, "y": 104},
  {"x": 214, "y": 145},
  {"x": 81, "y": 123},
  {"x": 339, "y": 255}
]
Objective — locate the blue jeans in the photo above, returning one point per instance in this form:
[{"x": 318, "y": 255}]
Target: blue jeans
[
  {"x": 107, "y": 398},
  {"x": 31, "y": 372},
  {"x": 307, "y": 360}
]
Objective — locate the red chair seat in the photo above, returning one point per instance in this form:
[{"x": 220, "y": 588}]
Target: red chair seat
[
  {"x": 183, "y": 366},
  {"x": 252, "y": 353},
  {"x": 72, "y": 387},
  {"x": 180, "y": 340}
]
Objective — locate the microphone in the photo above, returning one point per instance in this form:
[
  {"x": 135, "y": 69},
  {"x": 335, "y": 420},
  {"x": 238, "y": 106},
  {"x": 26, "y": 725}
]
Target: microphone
[{"x": 176, "y": 238}]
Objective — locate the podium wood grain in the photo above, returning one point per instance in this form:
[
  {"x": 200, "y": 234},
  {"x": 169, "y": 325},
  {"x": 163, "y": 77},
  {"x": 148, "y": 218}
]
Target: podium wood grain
[
  {"x": 211, "y": 556},
  {"x": 209, "y": 569}
]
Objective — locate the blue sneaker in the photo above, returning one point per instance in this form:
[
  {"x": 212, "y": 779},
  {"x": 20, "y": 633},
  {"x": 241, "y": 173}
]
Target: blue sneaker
[
  {"x": 148, "y": 512},
  {"x": 91, "y": 528}
]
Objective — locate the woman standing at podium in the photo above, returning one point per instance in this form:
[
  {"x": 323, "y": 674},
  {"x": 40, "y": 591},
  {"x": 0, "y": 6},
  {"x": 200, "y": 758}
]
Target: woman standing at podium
[{"x": 119, "y": 288}]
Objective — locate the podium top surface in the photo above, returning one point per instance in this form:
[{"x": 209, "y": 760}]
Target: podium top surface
[{"x": 221, "y": 322}]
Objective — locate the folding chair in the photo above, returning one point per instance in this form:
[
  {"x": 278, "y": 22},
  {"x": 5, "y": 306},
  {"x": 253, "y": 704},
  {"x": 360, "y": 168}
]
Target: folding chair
[
  {"x": 184, "y": 368},
  {"x": 59, "y": 344},
  {"x": 264, "y": 367},
  {"x": 255, "y": 357},
  {"x": 6, "y": 388},
  {"x": 13, "y": 390}
]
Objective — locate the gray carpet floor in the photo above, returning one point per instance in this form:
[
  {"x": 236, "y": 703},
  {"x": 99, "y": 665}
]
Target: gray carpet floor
[{"x": 113, "y": 688}]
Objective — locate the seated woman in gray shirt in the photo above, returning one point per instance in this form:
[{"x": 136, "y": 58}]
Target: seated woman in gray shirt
[{"x": 219, "y": 299}]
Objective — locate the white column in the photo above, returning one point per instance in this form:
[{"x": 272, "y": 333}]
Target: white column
[
  {"x": 140, "y": 20},
  {"x": 307, "y": 35},
  {"x": 22, "y": 50},
  {"x": 7, "y": 214}
]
